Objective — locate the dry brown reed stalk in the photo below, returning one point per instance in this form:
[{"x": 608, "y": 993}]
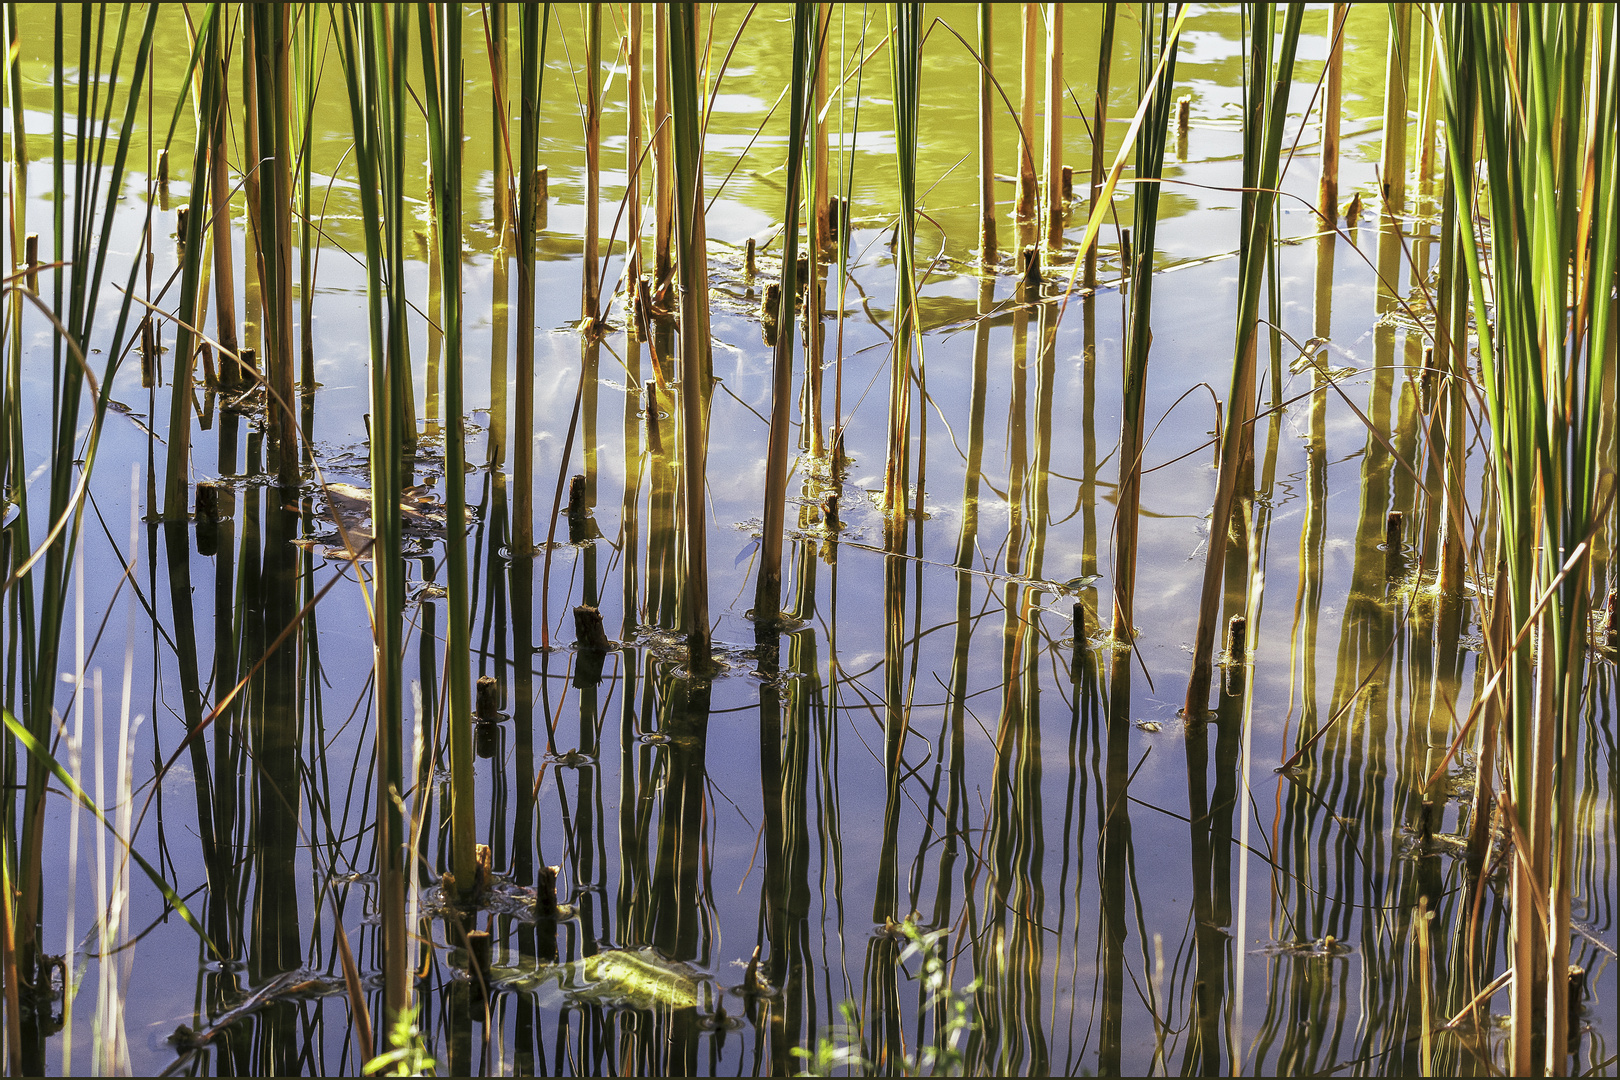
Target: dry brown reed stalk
[
  {"x": 1054, "y": 125},
  {"x": 1397, "y": 70},
  {"x": 632, "y": 155}
]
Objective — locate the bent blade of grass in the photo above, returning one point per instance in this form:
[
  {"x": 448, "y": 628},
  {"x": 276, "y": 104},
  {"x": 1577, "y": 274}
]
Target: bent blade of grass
[{"x": 43, "y": 755}]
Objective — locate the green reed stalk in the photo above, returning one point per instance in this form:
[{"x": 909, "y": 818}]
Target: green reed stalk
[
  {"x": 821, "y": 238},
  {"x": 219, "y": 178},
  {"x": 370, "y": 37},
  {"x": 205, "y": 160},
  {"x": 1262, "y": 165},
  {"x": 1156, "y": 46},
  {"x": 533, "y": 26},
  {"x": 1055, "y": 90},
  {"x": 443, "y": 80},
  {"x": 1099, "y": 130},
  {"x": 801, "y": 90},
  {"x": 273, "y": 85},
  {"x": 1548, "y": 116},
  {"x": 987, "y": 156},
  {"x": 905, "y": 51},
  {"x": 691, "y": 256},
  {"x": 590, "y": 302},
  {"x": 309, "y": 84}
]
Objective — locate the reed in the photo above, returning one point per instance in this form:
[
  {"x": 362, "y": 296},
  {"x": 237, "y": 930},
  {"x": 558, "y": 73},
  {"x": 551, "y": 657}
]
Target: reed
[
  {"x": 634, "y": 60},
  {"x": 821, "y": 235},
  {"x": 1154, "y": 88},
  {"x": 1099, "y": 132},
  {"x": 692, "y": 261},
  {"x": 368, "y": 38},
  {"x": 802, "y": 96},
  {"x": 534, "y": 25},
  {"x": 1547, "y": 117},
  {"x": 271, "y": 47},
  {"x": 1397, "y": 74},
  {"x": 1327, "y": 187},
  {"x": 209, "y": 91},
  {"x": 439, "y": 35},
  {"x": 663, "y": 156},
  {"x": 590, "y": 299},
  {"x": 225, "y": 329},
  {"x": 1027, "y": 183},
  {"x": 1268, "y": 90},
  {"x": 987, "y": 157},
  {"x": 905, "y": 51},
  {"x": 1055, "y": 93}
]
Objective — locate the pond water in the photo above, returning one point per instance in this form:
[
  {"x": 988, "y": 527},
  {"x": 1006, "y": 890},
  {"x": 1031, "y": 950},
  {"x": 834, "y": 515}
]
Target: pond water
[{"x": 943, "y": 734}]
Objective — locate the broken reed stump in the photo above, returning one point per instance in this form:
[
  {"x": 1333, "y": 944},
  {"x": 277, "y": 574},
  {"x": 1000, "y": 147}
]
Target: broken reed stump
[
  {"x": 1614, "y": 620},
  {"x": 545, "y": 914},
  {"x": 31, "y": 260},
  {"x": 1183, "y": 115},
  {"x": 1030, "y": 268},
  {"x": 1394, "y": 534},
  {"x": 589, "y": 634},
  {"x": 1237, "y": 639},
  {"x": 768, "y": 309},
  {"x": 801, "y": 275},
  {"x": 750, "y": 266},
  {"x": 211, "y": 503},
  {"x": 1068, "y": 183},
  {"x": 487, "y": 698},
  {"x": 828, "y": 508},
  {"x": 578, "y": 513}
]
